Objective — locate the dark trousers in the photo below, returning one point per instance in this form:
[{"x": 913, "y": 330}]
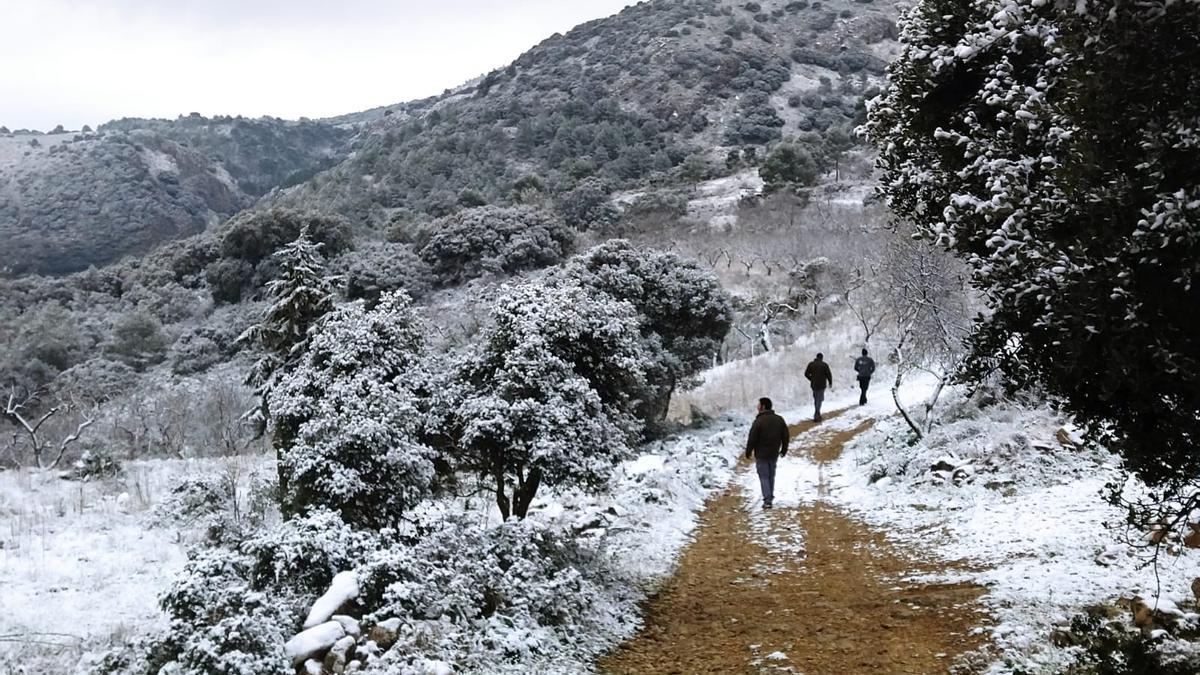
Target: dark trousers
[
  {"x": 818, "y": 399},
  {"x": 863, "y": 383},
  {"x": 766, "y": 476}
]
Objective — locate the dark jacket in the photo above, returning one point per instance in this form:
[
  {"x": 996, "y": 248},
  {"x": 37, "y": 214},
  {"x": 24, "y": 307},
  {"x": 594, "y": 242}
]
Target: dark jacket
[
  {"x": 768, "y": 436},
  {"x": 864, "y": 366},
  {"x": 819, "y": 375}
]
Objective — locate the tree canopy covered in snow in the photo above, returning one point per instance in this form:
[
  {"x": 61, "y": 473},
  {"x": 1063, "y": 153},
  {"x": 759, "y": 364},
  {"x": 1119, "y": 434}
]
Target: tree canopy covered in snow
[
  {"x": 346, "y": 418},
  {"x": 1055, "y": 145},
  {"x": 548, "y": 397},
  {"x": 685, "y": 314}
]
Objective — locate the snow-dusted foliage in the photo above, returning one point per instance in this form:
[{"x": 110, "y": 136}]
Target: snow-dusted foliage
[
  {"x": 685, "y": 314},
  {"x": 382, "y": 267},
  {"x": 346, "y": 418},
  {"x": 1054, "y": 143},
  {"x": 232, "y": 609},
  {"x": 494, "y": 240},
  {"x": 300, "y": 295},
  {"x": 549, "y": 394},
  {"x": 477, "y": 596}
]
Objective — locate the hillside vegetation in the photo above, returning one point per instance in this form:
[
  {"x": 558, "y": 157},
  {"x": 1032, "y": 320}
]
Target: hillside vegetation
[
  {"x": 69, "y": 201},
  {"x": 663, "y": 93}
]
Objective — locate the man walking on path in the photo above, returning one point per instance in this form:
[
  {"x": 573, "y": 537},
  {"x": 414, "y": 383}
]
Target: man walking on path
[
  {"x": 865, "y": 367},
  {"x": 819, "y": 376},
  {"x": 768, "y": 442}
]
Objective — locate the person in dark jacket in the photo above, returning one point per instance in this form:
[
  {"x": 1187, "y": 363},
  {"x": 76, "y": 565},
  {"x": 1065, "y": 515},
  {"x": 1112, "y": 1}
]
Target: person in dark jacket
[
  {"x": 819, "y": 376},
  {"x": 767, "y": 443},
  {"x": 865, "y": 367}
]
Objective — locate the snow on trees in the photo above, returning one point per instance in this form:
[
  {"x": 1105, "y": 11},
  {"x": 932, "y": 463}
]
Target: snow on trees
[
  {"x": 346, "y": 417},
  {"x": 685, "y": 314},
  {"x": 494, "y": 240},
  {"x": 1054, "y": 144},
  {"x": 548, "y": 395}
]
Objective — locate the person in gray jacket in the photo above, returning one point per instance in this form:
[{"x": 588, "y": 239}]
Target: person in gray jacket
[
  {"x": 865, "y": 367},
  {"x": 767, "y": 443}
]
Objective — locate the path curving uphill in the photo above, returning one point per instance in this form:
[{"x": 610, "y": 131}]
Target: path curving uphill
[{"x": 803, "y": 588}]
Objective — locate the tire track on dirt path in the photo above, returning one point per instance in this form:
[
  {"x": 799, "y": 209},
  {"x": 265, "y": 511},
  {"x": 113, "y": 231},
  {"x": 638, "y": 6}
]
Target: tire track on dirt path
[{"x": 841, "y": 605}]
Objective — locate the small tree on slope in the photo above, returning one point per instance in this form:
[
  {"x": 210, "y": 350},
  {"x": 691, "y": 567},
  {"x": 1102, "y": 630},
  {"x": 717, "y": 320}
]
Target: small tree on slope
[
  {"x": 1052, "y": 147},
  {"x": 548, "y": 396},
  {"x": 300, "y": 295},
  {"x": 346, "y": 418}
]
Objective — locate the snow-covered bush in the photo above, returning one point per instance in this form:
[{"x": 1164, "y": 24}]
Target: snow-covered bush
[
  {"x": 477, "y": 596},
  {"x": 548, "y": 396},
  {"x": 346, "y": 418},
  {"x": 231, "y": 610},
  {"x": 96, "y": 463},
  {"x": 494, "y": 240},
  {"x": 382, "y": 267},
  {"x": 684, "y": 312}
]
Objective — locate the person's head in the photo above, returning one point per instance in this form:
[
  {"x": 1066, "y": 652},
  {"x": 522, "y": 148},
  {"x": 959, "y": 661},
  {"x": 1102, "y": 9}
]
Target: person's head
[
  {"x": 864, "y": 352},
  {"x": 820, "y": 356},
  {"x": 764, "y": 404}
]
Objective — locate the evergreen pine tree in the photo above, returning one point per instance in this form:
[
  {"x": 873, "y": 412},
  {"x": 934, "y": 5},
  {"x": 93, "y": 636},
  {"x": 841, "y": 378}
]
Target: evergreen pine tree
[{"x": 300, "y": 295}]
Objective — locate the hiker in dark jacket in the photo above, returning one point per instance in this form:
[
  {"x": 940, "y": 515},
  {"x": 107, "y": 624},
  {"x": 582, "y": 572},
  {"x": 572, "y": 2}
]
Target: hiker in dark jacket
[
  {"x": 865, "y": 367},
  {"x": 819, "y": 376},
  {"x": 768, "y": 442}
]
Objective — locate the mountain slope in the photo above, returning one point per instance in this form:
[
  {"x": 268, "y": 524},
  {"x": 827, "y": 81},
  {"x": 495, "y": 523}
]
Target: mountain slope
[
  {"x": 68, "y": 201},
  {"x": 627, "y": 98}
]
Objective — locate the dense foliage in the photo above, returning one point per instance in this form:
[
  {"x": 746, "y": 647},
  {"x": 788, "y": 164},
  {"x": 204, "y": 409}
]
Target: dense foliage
[
  {"x": 548, "y": 396},
  {"x": 491, "y": 240},
  {"x": 684, "y": 314},
  {"x": 1005, "y": 134},
  {"x": 346, "y": 418}
]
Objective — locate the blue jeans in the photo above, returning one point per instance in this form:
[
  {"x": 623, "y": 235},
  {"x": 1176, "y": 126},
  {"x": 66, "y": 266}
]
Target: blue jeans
[
  {"x": 766, "y": 476},
  {"x": 818, "y": 399}
]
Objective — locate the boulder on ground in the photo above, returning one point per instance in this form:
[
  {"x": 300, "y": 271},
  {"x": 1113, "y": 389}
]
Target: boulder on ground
[
  {"x": 339, "y": 655},
  {"x": 1196, "y": 588},
  {"x": 385, "y": 633}
]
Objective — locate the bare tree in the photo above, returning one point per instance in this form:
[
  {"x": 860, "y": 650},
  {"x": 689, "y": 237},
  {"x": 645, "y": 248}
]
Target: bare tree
[
  {"x": 47, "y": 454},
  {"x": 927, "y": 290}
]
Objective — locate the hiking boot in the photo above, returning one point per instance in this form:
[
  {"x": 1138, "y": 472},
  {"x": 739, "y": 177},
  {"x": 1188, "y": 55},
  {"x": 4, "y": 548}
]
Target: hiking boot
[{"x": 766, "y": 506}]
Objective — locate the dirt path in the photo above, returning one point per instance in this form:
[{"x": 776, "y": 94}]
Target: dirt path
[{"x": 839, "y": 606}]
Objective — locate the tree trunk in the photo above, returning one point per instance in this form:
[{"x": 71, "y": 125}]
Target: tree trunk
[
  {"x": 896, "y": 388},
  {"x": 932, "y": 402},
  {"x": 525, "y": 492},
  {"x": 502, "y": 500}
]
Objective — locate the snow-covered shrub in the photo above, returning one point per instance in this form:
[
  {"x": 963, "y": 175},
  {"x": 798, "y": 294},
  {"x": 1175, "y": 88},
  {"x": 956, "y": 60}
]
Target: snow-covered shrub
[
  {"x": 548, "y": 396},
  {"x": 346, "y": 418},
  {"x": 494, "y": 240},
  {"x": 382, "y": 267},
  {"x": 96, "y": 463},
  {"x": 231, "y": 610},
  {"x": 684, "y": 312},
  {"x": 1075, "y": 202},
  {"x": 477, "y": 595},
  {"x": 220, "y": 623}
]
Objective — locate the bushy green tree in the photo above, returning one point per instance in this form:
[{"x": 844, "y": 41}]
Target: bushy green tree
[
  {"x": 346, "y": 417},
  {"x": 494, "y": 240},
  {"x": 548, "y": 396},
  {"x": 789, "y": 167},
  {"x": 684, "y": 313},
  {"x": 1054, "y": 148}
]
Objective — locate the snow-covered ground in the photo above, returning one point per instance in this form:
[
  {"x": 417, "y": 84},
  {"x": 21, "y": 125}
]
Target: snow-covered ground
[
  {"x": 82, "y": 563},
  {"x": 1031, "y": 518}
]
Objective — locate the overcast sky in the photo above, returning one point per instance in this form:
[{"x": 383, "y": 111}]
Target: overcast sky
[{"x": 76, "y": 62}]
